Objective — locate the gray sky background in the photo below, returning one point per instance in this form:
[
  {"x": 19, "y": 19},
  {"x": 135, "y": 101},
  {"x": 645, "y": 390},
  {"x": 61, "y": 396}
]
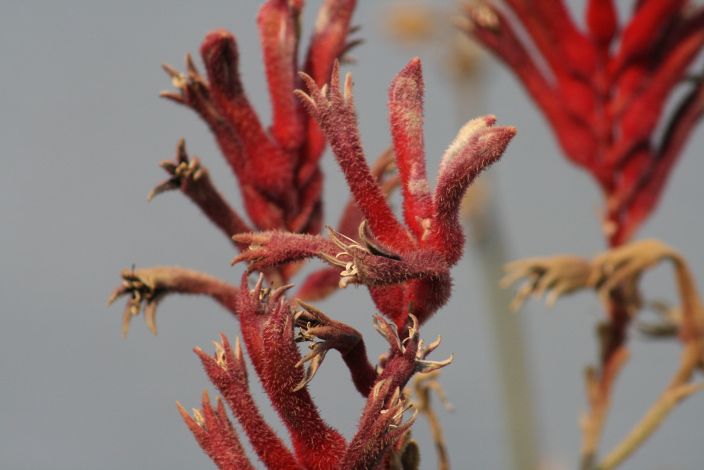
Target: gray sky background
[{"x": 82, "y": 131}]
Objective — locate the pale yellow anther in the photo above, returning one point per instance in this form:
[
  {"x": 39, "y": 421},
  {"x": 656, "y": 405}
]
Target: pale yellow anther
[
  {"x": 485, "y": 17},
  {"x": 220, "y": 354},
  {"x": 348, "y": 87},
  {"x": 198, "y": 417},
  {"x": 238, "y": 348},
  {"x": 178, "y": 81}
]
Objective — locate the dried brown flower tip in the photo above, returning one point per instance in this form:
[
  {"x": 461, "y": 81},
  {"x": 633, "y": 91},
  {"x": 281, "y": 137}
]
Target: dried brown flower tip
[{"x": 555, "y": 276}]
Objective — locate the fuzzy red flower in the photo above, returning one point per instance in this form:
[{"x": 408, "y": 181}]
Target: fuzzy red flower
[{"x": 405, "y": 265}]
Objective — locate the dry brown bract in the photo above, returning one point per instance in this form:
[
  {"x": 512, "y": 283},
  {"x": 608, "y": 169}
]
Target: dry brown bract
[{"x": 617, "y": 272}]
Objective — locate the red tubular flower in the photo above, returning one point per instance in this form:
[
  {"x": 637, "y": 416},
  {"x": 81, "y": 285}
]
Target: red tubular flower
[
  {"x": 150, "y": 285},
  {"x": 228, "y": 372},
  {"x": 268, "y": 322},
  {"x": 605, "y": 90},
  {"x": 406, "y": 266},
  {"x": 277, "y": 169},
  {"x": 215, "y": 434},
  {"x": 267, "y": 329}
]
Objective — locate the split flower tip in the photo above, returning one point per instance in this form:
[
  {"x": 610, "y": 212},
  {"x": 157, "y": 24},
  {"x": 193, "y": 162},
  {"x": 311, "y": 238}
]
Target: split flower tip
[
  {"x": 316, "y": 94},
  {"x": 598, "y": 93},
  {"x": 178, "y": 81},
  {"x": 181, "y": 170},
  {"x": 555, "y": 276},
  {"x": 194, "y": 420},
  {"x": 185, "y": 415},
  {"x": 198, "y": 419},
  {"x": 142, "y": 296},
  {"x": 424, "y": 366},
  {"x": 470, "y": 130},
  {"x": 323, "y": 334},
  {"x": 413, "y": 69}
]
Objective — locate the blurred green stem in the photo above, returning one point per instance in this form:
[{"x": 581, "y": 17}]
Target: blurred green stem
[{"x": 487, "y": 236}]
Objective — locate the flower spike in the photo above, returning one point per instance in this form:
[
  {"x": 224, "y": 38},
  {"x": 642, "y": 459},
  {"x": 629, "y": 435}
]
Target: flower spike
[
  {"x": 193, "y": 180},
  {"x": 333, "y": 108},
  {"x": 227, "y": 370},
  {"x": 406, "y": 116},
  {"x": 605, "y": 91}
]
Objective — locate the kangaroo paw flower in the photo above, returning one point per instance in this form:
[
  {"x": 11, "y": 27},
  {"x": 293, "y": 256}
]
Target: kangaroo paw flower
[
  {"x": 227, "y": 371},
  {"x": 142, "y": 294},
  {"x": 418, "y": 254},
  {"x": 381, "y": 426},
  {"x": 368, "y": 262},
  {"x": 148, "y": 286},
  {"x": 323, "y": 334},
  {"x": 192, "y": 91},
  {"x": 274, "y": 248},
  {"x": 268, "y": 332},
  {"x": 407, "y": 356},
  {"x": 189, "y": 176},
  {"x": 215, "y": 435},
  {"x": 181, "y": 170},
  {"x": 626, "y": 263},
  {"x": 333, "y": 108}
]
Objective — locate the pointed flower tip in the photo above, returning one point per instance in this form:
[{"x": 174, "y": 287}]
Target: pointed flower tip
[
  {"x": 498, "y": 137},
  {"x": 414, "y": 66},
  {"x": 182, "y": 411},
  {"x": 470, "y": 130},
  {"x": 474, "y": 125},
  {"x": 113, "y": 297},
  {"x": 280, "y": 291}
]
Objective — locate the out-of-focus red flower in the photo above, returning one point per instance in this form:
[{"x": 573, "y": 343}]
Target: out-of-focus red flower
[{"x": 604, "y": 90}]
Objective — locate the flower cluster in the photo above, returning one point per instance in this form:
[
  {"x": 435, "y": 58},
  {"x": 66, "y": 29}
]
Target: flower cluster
[
  {"x": 604, "y": 90},
  {"x": 405, "y": 266}
]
